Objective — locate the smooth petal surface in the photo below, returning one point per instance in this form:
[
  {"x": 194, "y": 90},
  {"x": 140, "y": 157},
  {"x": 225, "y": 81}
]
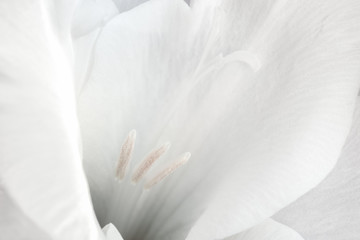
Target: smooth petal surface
[
  {"x": 264, "y": 119},
  {"x": 43, "y": 190},
  {"x": 267, "y": 230},
  {"x": 15, "y": 224},
  {"x": 125, "y": 5},
  {"x": 90, "y": 15},
  {"x": 331, "y": 211},
  {"x": 111, "y": 233},
  {"x": 89, "y": 18}
]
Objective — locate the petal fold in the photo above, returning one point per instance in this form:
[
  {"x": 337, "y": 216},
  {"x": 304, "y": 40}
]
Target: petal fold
[
  {"x": 42, "y": 182},
  {"x": 111, "y": 233},
  {"x": 332, "y": 209},
  {"x": 267, "y": 230}
]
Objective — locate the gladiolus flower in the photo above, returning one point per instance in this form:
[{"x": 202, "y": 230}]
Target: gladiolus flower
[{"x": 192, "y": 121}]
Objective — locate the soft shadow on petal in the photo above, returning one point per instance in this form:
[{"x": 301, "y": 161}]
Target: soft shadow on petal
[
  {"x": 106, "y": 109},
  {"x": 89, "y": 19},
  {"x": 125, "y": 5},
  {"x": 42, "y": 183},
  {"x": 14, "y": 224},
  {"x": 111, "y": 233},
  {"x": 267, "y": 230},
  {"x": 90, "y": 15},
  {"x": 331, "y": 211},
  {"x": 259, "y": 140}
]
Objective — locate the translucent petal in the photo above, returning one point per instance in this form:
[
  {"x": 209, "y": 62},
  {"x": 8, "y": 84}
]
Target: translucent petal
[
  {"x": 14, "y": 224},
  {"x": 331, "y": 211},
  {"x": 267, "y": 230},
  {"x": 111, "y": 233},
  {"x": 88, "y": 20},
  {"x": 44, "y": 193},
  {"x": 125, "y": 5},
  {"x": 90, "y": 15}
]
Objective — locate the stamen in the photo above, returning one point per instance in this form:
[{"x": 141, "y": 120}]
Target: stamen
[
  {"x": 167, "y": 171},
  {"x": 149, "y": 161},
  {"x": 125, "y": 155}
]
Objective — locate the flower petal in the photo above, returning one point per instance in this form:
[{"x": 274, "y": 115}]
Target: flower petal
[
  {"x": 43, "y": 187},
  {"x": 111, "y": 233},
  {"x": 90, "y": 15},
  {"x": 259, "y": 137},
  {"x": 332, "y": 209},
  {"x": 267, "y": 230},
  {"x": 14, "y": 224},
  {"x": 124, "y": 5}
]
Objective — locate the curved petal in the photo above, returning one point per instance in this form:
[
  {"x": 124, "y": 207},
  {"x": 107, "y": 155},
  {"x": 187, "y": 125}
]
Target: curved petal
[
  {"x": 111, "y": 233},
  {"x": 43, "y": 187},
  {"x": 87, "y": 23},
  {"x": 14, "y": 224},
  {"x": 267, "y": 230},
  {"x": 332, "y": 209},
  {"x": 125, "y": 5},
  {"x": 259, "y": 137},
  {"x": 90, "y": 15},
  {"x": 89, "y": 18}
]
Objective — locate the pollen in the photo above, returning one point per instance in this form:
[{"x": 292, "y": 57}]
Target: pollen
[
  {"x": 125, "y": 155},
  {"x": 168, "y": 171},
  {"x": 147, "y": 164},
  {"x": 149, "y": 161}
]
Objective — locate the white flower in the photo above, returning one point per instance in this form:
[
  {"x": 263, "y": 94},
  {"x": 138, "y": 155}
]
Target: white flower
[
  {"x": 331, "y": 210},
  {"x": 260, "y": 93}
]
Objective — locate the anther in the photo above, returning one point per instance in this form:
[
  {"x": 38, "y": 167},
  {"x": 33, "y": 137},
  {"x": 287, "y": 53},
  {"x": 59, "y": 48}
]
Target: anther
[
  {"x": 125, "y": 155},
  {"x": 167, "y": 171},
  {"x": 149, "y": 161}
]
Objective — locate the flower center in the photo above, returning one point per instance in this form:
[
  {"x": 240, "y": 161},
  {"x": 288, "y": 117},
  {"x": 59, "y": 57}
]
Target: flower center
[
  {"x": 134, "y": 205},
  {"x": 131, "y": 204}
]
